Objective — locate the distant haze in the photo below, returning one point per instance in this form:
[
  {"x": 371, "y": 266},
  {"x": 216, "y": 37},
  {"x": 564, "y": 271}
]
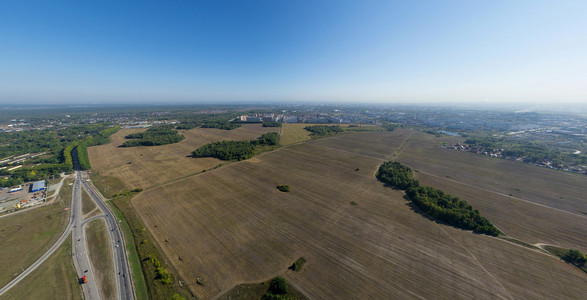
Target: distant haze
[{"x": 462, "y": 52}]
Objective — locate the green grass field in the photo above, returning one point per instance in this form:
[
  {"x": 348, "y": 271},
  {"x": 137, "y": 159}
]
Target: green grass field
[
  {"x": 87, "y": 203},
  {"x": 101, "y": 257},
  {"x": 293, "y": 133},
  {"x": 27, "y": 235},
  {"x": 54, "y": 279}
]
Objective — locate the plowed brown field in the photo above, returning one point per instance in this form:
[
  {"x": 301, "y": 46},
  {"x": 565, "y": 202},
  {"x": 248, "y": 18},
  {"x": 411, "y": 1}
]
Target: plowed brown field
[{"x": 231, "y": 225}]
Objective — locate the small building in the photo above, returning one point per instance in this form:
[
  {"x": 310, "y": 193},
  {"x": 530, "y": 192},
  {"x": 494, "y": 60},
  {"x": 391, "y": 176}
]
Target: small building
[
  {"x": 16, "y": 189},
  {"x": 38, "y": 186}
]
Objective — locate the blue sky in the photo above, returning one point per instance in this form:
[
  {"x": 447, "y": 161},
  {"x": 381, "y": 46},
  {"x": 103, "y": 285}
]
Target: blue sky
[{"x": 336, "y": 51}]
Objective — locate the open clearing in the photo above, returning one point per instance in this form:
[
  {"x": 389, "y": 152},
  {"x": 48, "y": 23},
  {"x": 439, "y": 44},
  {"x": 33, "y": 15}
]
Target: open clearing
[
  {"x": 143, "y": 167},
  {"x": 292, "y": 133},
  {"x": 26, "y": 236},
  {"x": 101, "y": 257},
  {"x": 231, "y": 225},
  {"x": 54, "y": 279}
]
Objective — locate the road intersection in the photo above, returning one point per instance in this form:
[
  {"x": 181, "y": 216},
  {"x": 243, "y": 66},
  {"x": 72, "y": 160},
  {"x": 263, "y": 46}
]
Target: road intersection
[{"x": 75, "y": 227}]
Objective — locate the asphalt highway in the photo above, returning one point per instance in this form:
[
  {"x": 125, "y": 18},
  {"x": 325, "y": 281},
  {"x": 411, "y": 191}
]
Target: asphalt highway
[
  {"x": 80, "y": 248},
  {"x": 121, "y": 265}
]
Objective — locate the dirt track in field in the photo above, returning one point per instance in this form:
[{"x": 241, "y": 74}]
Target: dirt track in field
[
  {"x": 143, "y": 167},
  {"x": 231, "y": 225}
]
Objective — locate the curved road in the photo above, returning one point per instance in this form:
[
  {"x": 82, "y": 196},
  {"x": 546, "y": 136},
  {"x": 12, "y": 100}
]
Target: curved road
[
  {"x": 65, "y": 234},
  {"x": 80, "y": 250},
  {"x": 121, "y": 265}
]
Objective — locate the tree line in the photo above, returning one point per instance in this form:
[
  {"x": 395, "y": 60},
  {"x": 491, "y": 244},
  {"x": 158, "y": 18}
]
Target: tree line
[
  {"x": 236, "y": 150},
  {"x": 62, "y": 161},
  {"x": 271, "y": 124},
  {"x": 434, "y": 202},
  {"x": 155, "y": 136},
  {"x": 321, "y": 130},
  {"x": 226, "y": 125}
]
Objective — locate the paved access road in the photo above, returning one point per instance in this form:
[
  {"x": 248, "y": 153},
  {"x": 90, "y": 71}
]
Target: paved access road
[
  {"x": 30, "y": 269},
  {"x": 121, "y": 265},
  {"x": 80, "y": 250},
  {"x": 80, "y": 247}
]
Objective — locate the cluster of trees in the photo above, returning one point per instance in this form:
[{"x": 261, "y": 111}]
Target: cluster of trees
[
  {"x": 63, "y": 161},
  {"x": 271, "y": 124},
  {"x": 271, "y": 139},
  {"x": 320, "y": 130},
  {"x": 390, "y": 126},
  {"x": 188, "y": 126},
  {"x": 226, "y": 125},
  {"x": 284, "y": 188},
  {"x": 160, "y": 272},
  {"x": 278, "y": 290},
  {"x": 575, "y": 257},
  {"x": 434, "y": 202},
  {"x": 156, "y": 136},
  {"x": 450, "y": 210},
  {"x": 236, "y": 150},
  {"x": 22, "y": 175},
  {"x": 396, "y": 175},
  {"x": 52, "y": 140},
  {"x": 226, "y": 150},
  {"x": 297, "y": 265}
]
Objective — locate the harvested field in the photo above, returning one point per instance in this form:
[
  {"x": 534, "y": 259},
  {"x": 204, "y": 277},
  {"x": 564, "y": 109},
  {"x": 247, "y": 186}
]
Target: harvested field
[
  {"x": 143, "y": 167},
  {"x": 30, "y": 232},
  {"x": 54, "y": 279},
  {"x": 544, "y": 204},
  {"x": 101, "y": 257},
  {"x": 553, "y": 188},
  {"x": 231, "y": 225}
]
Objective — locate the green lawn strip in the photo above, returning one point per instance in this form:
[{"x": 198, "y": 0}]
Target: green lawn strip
[
  {"x": 54, "y": 279},
  {"x": 133, "y": 257},
  {"x": 101, "y": 257},
  {"x": 87, "y": 204}
]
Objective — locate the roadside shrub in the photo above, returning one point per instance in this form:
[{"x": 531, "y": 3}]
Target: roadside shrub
[
  {"x": 177, "y": 297},
  {"x": 162, "y": 274}
]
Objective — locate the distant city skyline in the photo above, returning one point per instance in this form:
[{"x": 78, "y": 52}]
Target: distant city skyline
[{"x": 156, "y": 52}]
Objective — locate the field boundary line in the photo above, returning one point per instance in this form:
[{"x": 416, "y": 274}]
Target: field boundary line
[{"x": 501, "y": 194}]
